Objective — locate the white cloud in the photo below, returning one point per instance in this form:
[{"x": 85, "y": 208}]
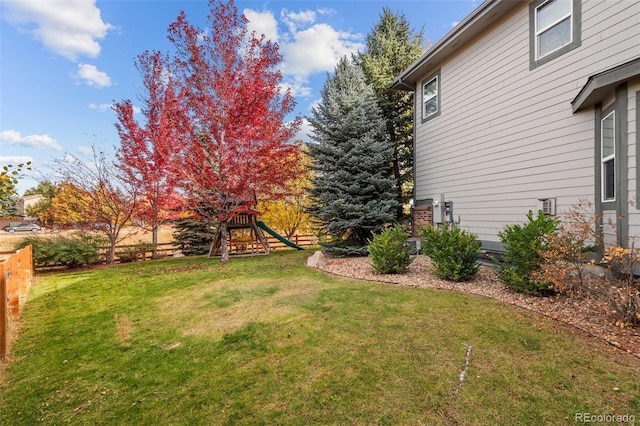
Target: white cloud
[
  {"x": 100, "y": 107},
  {"x": 262, "y": 23},
  {"x": 307, "y": 46},
  {"x": 11, "y": 137},
  {"x": 92, "y": 76},
  {"x": 85, "y": 150},
  {"x": 295, "y": 21},
  {"x": 70, "y": 28},
  {"x": 318, "y": 49},
  {"x": 314, "y": 104},
  {"x": 108, "y": 107},
  {"x": 15, "y": 159},
  {"x": 299, "y": 86},
  {"x": 305, "y": 131},
  {"x": 454, "y": 23}
]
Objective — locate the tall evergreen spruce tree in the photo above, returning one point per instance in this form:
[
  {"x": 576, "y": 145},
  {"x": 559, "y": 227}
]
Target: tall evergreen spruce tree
[
  {"x": 352, "y": 193},
  {"x": 392, "y": 45}
]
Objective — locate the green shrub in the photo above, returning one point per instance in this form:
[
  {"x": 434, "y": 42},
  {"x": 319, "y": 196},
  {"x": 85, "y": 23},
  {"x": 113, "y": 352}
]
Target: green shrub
[
  {"x": 344, "y": 248},
  {"x": 523, "y": 258},
  {"x": 72, "y": 250},
  {"x": 430, "y": 239},
  {"x": 389, "y": 251},
  {"x": 453, "y": 252}
]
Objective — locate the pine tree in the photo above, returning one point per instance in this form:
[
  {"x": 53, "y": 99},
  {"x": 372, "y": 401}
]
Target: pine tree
[
  {"x": 352, "y": 192},
  {"x": 9, "y": 206},
  {"x": 391, "y": 47},
  {"x": 193, "y": 235}
]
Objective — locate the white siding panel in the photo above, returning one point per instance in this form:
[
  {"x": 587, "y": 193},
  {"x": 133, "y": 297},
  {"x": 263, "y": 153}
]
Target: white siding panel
[{"x": 507, "y": 135}]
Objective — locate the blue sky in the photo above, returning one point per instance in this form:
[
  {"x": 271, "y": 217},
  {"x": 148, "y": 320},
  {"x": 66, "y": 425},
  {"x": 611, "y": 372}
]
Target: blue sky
[{"x": 63, "y": 63}]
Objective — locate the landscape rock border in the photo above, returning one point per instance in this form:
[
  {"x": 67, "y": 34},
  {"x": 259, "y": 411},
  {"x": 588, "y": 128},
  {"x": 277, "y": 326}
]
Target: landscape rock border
[{"x": 586, "y": 314}]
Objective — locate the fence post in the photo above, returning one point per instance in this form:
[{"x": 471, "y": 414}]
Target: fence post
[
  {"x": 16, "y": 273},
  {"x": 25, "y": 266},
  {"x": 4, "y": 322},
  {"x": 13, "y": 286}
]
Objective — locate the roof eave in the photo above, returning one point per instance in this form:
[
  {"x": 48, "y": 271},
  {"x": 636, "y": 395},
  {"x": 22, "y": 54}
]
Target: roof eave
[{"x": 600, "y": 85}]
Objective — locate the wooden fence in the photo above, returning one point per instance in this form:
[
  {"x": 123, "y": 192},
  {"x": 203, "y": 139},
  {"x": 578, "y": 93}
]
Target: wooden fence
[
  {"x": 137, "y": 252},
  {"x": 16, "y": 275}
]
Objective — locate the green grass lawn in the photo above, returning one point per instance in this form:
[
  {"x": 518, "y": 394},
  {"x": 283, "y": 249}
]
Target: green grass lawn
[{"x": 266, "y": 340}]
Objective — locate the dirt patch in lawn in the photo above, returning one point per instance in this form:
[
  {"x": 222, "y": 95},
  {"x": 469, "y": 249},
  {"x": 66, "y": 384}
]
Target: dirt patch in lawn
[
  {"x": 587, "y": 314},
  {"x": 235, "y": 305}
]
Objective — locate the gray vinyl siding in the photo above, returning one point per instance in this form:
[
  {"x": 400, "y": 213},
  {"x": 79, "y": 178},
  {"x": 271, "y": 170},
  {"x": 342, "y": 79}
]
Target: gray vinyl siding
[
  {"x": 633, "y": 141},
  {"x": 506, "y": 135}
]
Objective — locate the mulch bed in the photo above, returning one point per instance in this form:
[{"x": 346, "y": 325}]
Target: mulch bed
[{"x": 587, "y": 314}]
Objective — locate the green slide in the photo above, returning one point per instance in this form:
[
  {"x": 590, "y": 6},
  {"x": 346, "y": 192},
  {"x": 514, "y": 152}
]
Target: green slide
[{"x": 277, "y": 236}]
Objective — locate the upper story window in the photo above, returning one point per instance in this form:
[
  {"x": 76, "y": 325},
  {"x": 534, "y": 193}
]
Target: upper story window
[
  {"x": 431, "y": 96},
  {"x": 608, "y": 156},
  {"x": 555, "y": 27}
]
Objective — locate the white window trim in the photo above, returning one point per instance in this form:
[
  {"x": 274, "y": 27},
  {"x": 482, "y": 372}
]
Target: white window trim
[
  {"x": 556, "y": 22},
  {"x": 425, "y": 100},
  {"x": 606, "y": 159}
]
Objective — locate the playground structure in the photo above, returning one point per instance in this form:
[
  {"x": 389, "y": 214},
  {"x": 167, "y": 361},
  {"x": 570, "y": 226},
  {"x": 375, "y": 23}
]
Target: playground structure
[{"x": 245, "y": 236}]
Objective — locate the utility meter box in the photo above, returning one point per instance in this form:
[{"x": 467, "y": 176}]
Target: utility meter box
[
  {"x": 448, "y": 211},
  {"x": 438, "y": 208}
]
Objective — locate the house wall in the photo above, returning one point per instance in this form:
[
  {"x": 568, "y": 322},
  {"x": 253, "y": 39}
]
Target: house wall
[
  {"x": 633, "y": 106},
  {"x": 507, "y": 135},
  {"x": 28, "y": 201}
]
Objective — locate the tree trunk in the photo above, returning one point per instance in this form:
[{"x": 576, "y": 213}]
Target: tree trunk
[
  {"x": 154, "y": 241},
  {"x": 224, "y": 250},
  {"x": 111, "y": 252}
]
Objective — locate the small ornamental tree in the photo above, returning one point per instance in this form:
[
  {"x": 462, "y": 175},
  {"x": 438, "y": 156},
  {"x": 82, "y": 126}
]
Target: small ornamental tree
[
  {"x": 148, "y": 151},
  {"x": 352, "y": 192},
  {"x": 70, "y": 206},
  {"x": 288, "y": 215},
  {"x": 104, "y": 196},
  {"x": 237, "y": 149}
]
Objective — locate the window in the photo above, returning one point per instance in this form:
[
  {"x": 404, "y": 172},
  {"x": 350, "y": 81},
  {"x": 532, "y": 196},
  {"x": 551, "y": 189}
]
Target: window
[
  {"x": 431, "y": 97},
  {"x": 608, "y": 156},
  {"x": 554, "y": 29},
  {"x": 553, "y": 26}
]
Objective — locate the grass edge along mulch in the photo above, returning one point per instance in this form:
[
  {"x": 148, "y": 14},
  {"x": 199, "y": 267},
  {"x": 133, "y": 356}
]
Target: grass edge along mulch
[{"x": 267, "y": 340}]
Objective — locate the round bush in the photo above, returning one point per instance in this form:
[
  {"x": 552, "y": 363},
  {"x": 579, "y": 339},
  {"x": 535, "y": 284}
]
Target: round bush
[
  {"x": 453, "y": 252},
  {"x": 389, "y": 251}
]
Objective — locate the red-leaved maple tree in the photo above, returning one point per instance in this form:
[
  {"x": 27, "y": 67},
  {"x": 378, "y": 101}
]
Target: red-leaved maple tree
[
  {"x": 238, "y": 146},
  {"x": 149, "y": 151}
]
